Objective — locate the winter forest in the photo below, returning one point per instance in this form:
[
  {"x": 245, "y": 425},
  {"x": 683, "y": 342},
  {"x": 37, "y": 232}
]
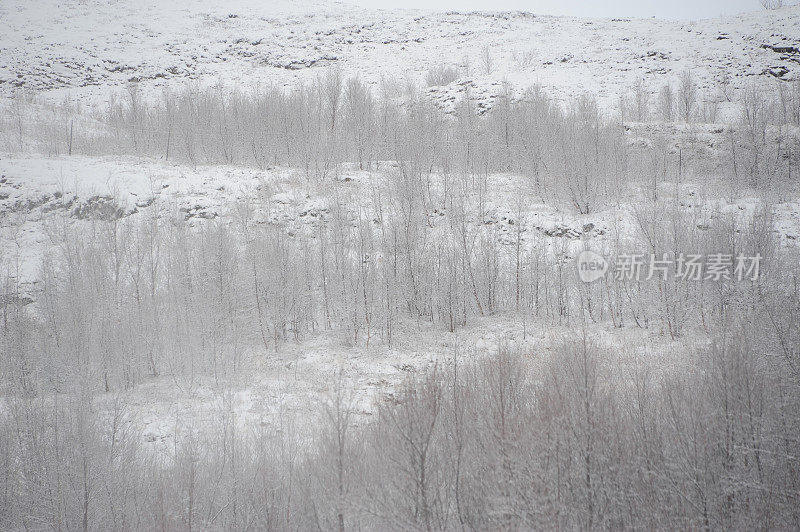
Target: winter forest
[{"x": 365, "y": 274}]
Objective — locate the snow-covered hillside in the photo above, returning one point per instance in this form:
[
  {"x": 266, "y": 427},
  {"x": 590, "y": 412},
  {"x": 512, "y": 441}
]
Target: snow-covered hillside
[
  {"x": 84, "y": 48},
  {"x": 297, "y": 265}
]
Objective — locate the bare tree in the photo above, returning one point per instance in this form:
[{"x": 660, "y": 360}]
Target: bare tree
[{"x": 687, "y": 95}]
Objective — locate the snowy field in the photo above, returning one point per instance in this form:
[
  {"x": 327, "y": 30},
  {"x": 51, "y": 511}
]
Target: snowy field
[{"x": 80, "y": 50}]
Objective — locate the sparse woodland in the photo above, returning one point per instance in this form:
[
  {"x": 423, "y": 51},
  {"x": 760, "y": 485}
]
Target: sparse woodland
[{"x": 579, "y": 437}]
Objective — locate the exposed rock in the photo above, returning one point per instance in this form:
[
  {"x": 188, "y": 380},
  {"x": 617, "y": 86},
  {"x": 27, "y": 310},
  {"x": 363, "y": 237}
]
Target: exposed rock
[{"x": 99, "y": 208}]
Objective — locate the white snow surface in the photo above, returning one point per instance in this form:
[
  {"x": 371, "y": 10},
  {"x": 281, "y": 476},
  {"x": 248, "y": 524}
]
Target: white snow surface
[{"x": 84, "y": 48}]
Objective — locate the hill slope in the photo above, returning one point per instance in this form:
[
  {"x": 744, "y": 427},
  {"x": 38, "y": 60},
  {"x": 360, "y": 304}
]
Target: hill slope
[{"x": 86, "y": 47}]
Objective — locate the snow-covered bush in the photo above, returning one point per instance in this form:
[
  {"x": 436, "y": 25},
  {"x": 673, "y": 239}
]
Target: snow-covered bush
[{"x": 441, "y": 75}]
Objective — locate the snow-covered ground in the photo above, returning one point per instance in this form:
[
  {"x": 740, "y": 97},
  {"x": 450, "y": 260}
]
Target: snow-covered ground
[
  {"x": 88, "y": 50},
  {"x": 35, "y": 189},
  {"x": 288, "y": 390},
  {"x": 83, "y": 48},
  {"x": 288, "y": 387}
]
